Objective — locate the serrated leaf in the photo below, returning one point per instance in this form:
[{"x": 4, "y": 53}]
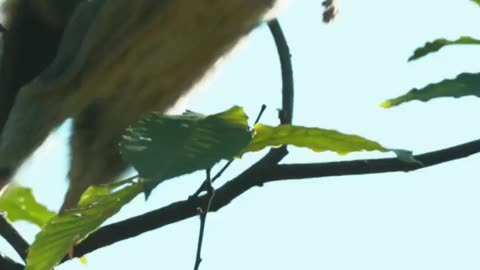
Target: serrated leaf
[
  {"x": 436, "y": 45},
  {"x": 161, "y": 147},
  {"x": 20, "y": 204},
  {"x": 465, "y": 84},
  {"x": 62, "y": 232},
  {"x": 316, "y": 139}
]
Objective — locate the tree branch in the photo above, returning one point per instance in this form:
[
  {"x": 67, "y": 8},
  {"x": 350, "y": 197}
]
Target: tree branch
[
  {"x": 13, "y": 237},
  {"x": 286, "y": 114},
  {"x": 262, "y": 172},
  {"x": 8, "y": 264},
  {"x": 370, "y": 166},
  {"x": 174, "y": 212}
]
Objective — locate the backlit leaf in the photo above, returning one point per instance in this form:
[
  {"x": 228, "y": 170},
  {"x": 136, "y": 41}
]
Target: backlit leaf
[
  {"x": 62, "y": 232},
  {"x": 438, "y": 44},
  {"x": 466, "y": 84},
  {"x": 20, "y": 204},
  {"x": 316, "y": 139}
]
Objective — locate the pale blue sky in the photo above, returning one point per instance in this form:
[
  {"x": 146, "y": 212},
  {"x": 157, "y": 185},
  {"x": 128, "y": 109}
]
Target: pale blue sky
[{"x": 427, "y": 219}]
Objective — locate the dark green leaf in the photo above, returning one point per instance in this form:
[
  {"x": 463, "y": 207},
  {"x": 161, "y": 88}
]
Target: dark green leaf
[
  {"x": 316, "y": 139},
  {"x": 20, "y": 204},
  {"x": 466, "y": 84},
  {"x": 436, "y": 45},
  {"x": 162, "y": 147}
]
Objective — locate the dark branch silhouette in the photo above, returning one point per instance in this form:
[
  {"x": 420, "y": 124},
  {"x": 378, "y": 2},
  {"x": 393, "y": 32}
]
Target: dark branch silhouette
[
  {"x": 13, "y": 237},
  {"x": 8, "y": 264},
  {"x": 286, "y": 113},
  {"x": 260, "y": 173}
]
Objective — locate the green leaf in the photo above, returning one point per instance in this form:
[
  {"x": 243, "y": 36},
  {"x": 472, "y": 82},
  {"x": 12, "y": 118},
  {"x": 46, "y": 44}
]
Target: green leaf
[
  {"x": 316, "y": 139},
  {"x": 476, "y": 2},
  {"x": 62, "y": 232},
  {"x": 465, "y": 84},
  {"x": 162, "y": 147},
  {"x": 438, "y": 44},
  {"x": 20, "y": 204}
]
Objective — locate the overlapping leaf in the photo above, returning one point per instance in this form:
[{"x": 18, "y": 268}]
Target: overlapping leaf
[
  {"x": 19, "y": 204},
  {"x": 466, "y": 84},
  {"x": 162, "y": 147},
  {"x": 436, "y": 45},
  {"x": 316, "y": 139},
  {"x": 62, "y": 232}
]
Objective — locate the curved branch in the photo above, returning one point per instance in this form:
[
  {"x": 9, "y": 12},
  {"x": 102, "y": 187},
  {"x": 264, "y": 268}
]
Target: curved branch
[
  {"x": 288, "y": 89},
  {"x": 286, "y": 114},
  {"x": 257, "y": 175}
]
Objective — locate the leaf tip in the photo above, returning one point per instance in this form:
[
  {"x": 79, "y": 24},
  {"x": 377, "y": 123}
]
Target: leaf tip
[
  {"x": 386, "y": 104},
  {"x": 412, "y": 58}
]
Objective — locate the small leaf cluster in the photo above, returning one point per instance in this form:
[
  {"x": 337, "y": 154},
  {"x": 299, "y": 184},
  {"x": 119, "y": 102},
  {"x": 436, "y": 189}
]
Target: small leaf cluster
[{"x": 465, "y": 84}]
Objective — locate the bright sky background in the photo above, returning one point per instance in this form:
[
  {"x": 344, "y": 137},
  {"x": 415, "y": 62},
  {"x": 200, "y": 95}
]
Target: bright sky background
[{"x": 427, "y": 219}]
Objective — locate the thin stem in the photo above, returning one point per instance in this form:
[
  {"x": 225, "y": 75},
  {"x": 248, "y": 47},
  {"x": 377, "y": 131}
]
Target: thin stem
[
  {"x": 259, "y": 116},
  {"x": 203, "y": 220}
]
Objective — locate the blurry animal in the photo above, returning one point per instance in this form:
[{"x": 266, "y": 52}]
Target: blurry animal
[{"x": 104, "y": 63}]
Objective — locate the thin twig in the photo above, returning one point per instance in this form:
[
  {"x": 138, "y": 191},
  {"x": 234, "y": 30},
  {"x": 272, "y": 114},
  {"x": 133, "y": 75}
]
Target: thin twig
[
  {"x": 13, "y": 237},
  {"x": 198, "y": 259},
  {"x": 203, "y": 219},
  {"x": 259, "y": 116}
]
